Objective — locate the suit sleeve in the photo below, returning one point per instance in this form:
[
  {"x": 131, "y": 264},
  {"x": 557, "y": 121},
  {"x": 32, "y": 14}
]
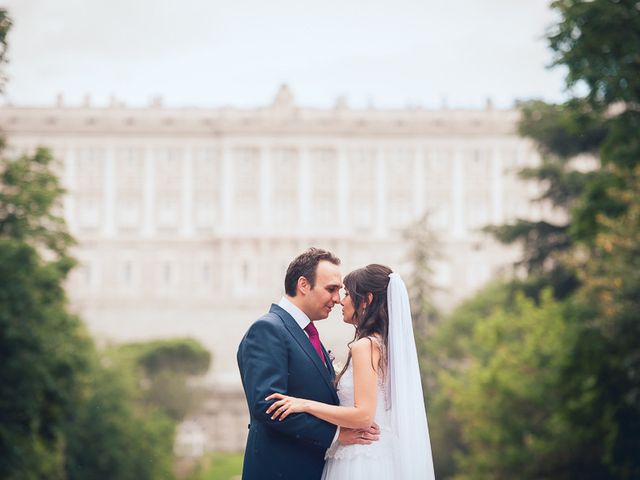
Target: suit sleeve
[{"x": 263, "y": 359}]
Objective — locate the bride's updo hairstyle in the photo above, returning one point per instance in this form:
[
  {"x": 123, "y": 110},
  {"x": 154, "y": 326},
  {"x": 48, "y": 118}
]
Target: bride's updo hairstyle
[{"x": 370, "y": 318}]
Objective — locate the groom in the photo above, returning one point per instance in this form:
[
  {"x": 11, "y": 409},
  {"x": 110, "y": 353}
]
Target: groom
[{"x": 281, "y": 352}]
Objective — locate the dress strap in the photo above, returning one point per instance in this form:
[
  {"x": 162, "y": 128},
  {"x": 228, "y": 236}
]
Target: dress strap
[{"x": 377, "y": 340}]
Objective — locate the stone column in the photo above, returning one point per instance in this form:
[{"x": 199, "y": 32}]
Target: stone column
[
  {"x": 109, "y": 193},
  {"x": 227, "y": 186},
  {"x": 266, "y": 185},
  {"x": 70, "y": 186},
  {"x": 343, "y": 188},
  {"x": 304, "y": 190},
  {"x": 458, "y": 195},
  {"x": 419, "y": 183},
  {"x": 497, "y": 188},
  {"x": 380, "y": 195},
  {"x": 149, "y": 194},
  {"x": 186, "y": 228}
]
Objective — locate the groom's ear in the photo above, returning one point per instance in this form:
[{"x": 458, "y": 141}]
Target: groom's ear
[{"x": 303, "y": 285}]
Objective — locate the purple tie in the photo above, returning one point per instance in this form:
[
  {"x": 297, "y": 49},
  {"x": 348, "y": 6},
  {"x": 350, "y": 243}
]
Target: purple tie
[{"x": 314, "y": 338}]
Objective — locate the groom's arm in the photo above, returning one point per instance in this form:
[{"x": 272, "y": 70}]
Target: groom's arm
[{"x": 264, "y": 361}]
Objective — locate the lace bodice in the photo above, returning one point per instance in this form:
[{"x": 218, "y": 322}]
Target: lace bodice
[
  {"x": 346, "y": 392},
  {"x": 346, "y": 396}
]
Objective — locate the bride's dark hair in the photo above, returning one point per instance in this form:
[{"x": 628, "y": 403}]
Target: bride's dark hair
[{"x": 370, "y": 318}]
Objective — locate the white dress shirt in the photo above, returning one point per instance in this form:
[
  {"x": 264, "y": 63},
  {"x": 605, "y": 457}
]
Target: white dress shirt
[{"x": 298, "y": 315}]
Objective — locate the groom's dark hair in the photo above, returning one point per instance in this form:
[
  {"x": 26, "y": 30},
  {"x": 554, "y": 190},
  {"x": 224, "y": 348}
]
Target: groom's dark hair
[{"x": 304, "y": 265}]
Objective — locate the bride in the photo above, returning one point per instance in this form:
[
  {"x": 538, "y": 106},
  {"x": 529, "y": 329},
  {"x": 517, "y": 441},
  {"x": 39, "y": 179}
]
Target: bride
[{"x": 380, "y": 383}]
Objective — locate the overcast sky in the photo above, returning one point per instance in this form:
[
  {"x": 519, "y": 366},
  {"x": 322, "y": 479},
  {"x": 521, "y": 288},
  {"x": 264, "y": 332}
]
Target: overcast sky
[{"x": 391, "y": 53}]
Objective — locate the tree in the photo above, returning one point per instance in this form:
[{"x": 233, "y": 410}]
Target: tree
[
  {"x": 591, "y": 259},
  {"x": 445, "y": 351},
  {"x": 598, "y": 42},
  {"x": 62, "y": 414},
  {"x": 5, "y": 27},
  {"x": 541, "y": 387},
  {"x": 125, "y": 426},
  {"x": 44, "y": 348},
  {"x": 606, "y": 367},
  {"x": 423, "y": 253},
  {"x": 112, "y": 435},
  {"x": 506, "y": 397},
  {"x": 562, "y": 134},
  {"x": 166, "y": 368}
]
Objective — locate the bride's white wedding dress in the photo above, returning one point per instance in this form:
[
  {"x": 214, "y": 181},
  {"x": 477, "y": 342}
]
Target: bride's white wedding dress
[
  {"x": 404, "y": 449},
  {"x": 362, "y": 462}
]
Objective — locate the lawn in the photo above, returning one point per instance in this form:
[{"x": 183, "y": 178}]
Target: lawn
[{"x": 219, "y": 466}]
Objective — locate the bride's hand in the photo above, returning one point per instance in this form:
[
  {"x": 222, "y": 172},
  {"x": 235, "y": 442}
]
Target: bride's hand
[{"x": 284, "y": 406}]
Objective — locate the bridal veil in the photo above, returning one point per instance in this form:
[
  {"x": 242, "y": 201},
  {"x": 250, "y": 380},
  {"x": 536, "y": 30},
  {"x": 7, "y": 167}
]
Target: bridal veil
[{"x": 412, "y": 446}]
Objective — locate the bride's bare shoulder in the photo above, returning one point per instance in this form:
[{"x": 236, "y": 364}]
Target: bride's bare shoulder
[
  {"x": 365, "y": 352},
  {"x": 366, "y": 345}
]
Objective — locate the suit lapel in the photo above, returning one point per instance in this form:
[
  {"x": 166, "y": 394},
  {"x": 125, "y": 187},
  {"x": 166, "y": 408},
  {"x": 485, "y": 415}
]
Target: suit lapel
[{"x": 302, "y": 340}]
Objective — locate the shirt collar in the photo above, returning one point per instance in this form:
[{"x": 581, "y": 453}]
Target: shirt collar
[{"x": 298, "y": 315}]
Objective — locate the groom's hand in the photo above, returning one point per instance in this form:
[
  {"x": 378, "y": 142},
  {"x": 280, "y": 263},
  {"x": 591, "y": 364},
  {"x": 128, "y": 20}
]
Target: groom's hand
[{"x": 350, "y": 436}]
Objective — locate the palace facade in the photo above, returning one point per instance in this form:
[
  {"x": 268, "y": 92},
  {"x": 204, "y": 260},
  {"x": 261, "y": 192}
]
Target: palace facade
[{"x": 187, "y": 217}]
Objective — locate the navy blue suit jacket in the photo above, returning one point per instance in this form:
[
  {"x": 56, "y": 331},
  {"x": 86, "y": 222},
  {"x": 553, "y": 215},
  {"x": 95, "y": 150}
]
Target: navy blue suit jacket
[{"x": 276, "y": 355}]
